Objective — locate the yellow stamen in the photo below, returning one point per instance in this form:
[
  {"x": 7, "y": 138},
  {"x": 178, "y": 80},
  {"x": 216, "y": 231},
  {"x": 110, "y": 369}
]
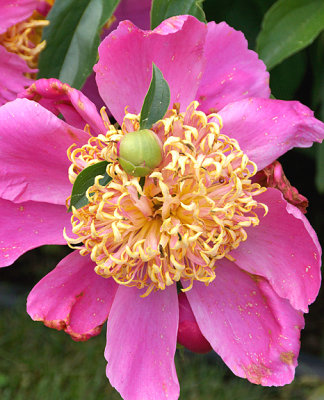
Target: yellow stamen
[
  {"x": 24, "y": 39},
  {"x": 192, "y": 210}
]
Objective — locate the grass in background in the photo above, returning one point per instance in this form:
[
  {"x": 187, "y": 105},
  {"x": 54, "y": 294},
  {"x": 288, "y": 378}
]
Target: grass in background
[{"x": 37, "y": 363}]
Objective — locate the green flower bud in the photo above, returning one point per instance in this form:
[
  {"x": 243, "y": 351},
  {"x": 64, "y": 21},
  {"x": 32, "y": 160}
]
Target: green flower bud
[{"x": 140, "y": 152}]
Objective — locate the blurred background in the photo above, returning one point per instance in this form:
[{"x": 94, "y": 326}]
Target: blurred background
[{"x": 42, "y": 364}]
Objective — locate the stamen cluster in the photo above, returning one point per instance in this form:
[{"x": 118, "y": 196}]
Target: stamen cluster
[
  {"x": 24, "y": 39},
  {"x": 191, "y": 211}
]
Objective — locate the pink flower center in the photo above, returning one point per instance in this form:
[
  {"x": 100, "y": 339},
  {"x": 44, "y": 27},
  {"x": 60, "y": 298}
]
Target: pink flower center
[{"x": 191, "y": 211}]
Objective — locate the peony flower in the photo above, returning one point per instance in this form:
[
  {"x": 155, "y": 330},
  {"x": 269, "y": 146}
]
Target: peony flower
[
  {"x": 21, "y": 24},
  {"x": 247, "y": 262}
]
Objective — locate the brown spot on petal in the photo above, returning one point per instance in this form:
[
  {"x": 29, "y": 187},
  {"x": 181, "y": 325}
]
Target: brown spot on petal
[
  {"x": 72, "y": 135},
  {"x": 81, "y": 105},
  {"x": 66, "y": 88},
  {"x": 32, "y": 88},
  {"x": 254, "y": 277},
  {"x": 256, "y": 372},
  {"x": 82, "y": 337},
  {"x": 287, "y": 357},
  {"x": 64, "y": 325},
  {"x": 56, "y": 324},
  {"x": 37, "y": 97}
]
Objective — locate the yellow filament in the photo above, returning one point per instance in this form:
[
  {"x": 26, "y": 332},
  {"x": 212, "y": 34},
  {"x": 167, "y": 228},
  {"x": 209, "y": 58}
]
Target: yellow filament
[{"x": 24, "y": 39}]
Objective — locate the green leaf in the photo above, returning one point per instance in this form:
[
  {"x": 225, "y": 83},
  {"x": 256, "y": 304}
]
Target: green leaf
[
  {"x": 289, "y": 26},
  {"x": 163, "y": 9},
  {"x": 286, "y": 78},
  {"x": 319, "y": 179},
  {"x": 72, "y": 39},
  {"x": 317, "y": 61},
  {"x": 142, "y": 183},
  {"x": 245, "y": 16},
  {"x": 86, "y": 179},
  {"x": 156, "y": 101}
]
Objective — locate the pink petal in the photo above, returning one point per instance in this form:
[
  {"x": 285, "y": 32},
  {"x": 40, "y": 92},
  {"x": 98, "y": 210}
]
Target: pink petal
[
  {"x": 59, "y": 97},
  {"x": 284, "y": 249},
  {"x": 141, "y": 343},
  {"x": 13, "y": 11},
  {"x": 43, "y": 7},
  {"x": 90, "y": 89},
  {"x": 29, "y": 225},
  {"x": 73, "y": 297},
  {"x": 189, "y": 334},
  {"x": 266, "y": 128},
  {"x": 254, "y": 330},
  {"x": 33, "y": 145},
  {"x": 12, "y": 79},
  {"x": 233, "y": 72},
  {"x": 176, "y": 47},
  {"x": 136, "y": 11}
]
